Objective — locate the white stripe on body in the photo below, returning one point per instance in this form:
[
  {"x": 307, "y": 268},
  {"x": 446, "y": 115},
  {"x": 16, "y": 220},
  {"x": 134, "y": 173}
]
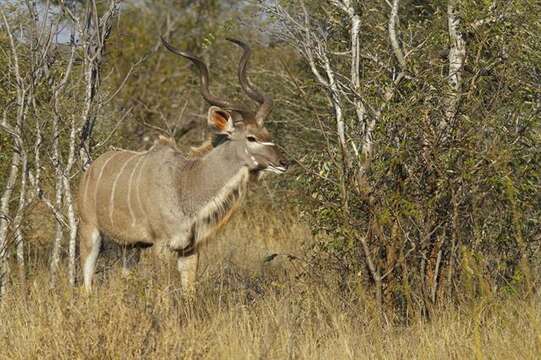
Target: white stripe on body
[
  {"x": 112, "y": 198},
  {"x": 138, "y": 184},
  {"x": 87, "y": 177},
  {"x": 130, "y": 183},
  {"x": 99, "y": 177}
]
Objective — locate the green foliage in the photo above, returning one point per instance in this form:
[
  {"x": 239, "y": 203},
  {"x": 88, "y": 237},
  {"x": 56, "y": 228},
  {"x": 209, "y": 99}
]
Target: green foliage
[{"x": 473, "y": 185}]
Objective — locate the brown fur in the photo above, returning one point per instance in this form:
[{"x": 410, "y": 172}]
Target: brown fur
[
  {"x": 201, "y": 150},
  {"x": 168, "y": 141}
]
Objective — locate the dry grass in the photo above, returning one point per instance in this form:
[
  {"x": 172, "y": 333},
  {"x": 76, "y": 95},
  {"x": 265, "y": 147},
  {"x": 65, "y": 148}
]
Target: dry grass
[{"x": 246, "y": 308}]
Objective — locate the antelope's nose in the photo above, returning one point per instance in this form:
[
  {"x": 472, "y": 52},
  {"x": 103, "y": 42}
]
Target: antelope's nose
[{"x": 284, "y": 163}]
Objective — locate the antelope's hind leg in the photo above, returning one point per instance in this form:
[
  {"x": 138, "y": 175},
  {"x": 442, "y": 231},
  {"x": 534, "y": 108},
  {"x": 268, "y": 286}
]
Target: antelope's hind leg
[
  {"x": 90, "y": 244},
  {"x": 131, "y": 255}
]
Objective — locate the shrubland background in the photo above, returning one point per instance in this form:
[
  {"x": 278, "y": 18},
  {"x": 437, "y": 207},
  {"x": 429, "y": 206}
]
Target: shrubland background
[{"x": 408, "y": 226}]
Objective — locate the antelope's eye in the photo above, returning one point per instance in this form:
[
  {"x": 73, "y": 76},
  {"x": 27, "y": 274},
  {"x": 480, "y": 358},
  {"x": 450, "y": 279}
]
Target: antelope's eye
[{"x": 251, "y": 138}]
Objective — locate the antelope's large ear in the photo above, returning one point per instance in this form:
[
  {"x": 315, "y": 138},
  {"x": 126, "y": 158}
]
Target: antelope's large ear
[{"x": 220, "y": 121}]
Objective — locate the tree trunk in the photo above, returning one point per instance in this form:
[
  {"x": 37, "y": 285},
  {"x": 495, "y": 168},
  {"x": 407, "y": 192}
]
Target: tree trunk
[{"x": 457, "y": 56}]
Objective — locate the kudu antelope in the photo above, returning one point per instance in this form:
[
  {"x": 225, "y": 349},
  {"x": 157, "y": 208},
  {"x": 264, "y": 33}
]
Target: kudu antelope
[{"x": 162, "y": 199}]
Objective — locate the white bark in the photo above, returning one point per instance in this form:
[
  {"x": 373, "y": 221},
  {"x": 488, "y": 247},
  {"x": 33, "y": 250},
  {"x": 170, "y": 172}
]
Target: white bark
[
  {"x": 328, "y": 82},
  {"x": 317, "y": 55},
  {"x": 395, "y": 43},
  {"x": 68, "y": 200},
  {"x": 18, "y": 220},
  {"x": 5, "y": 218},
  {"x": 93, "y": 31},
  {"x": 336, "y": 100},
  {"x": 374, "y": 272},
  {"x": 365, "y": 122},
  {"x": 457, "y": 56},
  {"x": 15, "y": 133},
  {"x": 59, "y": 234},
  {"x": 93, "y": 35},
  {"x": 58, "y": 166}
]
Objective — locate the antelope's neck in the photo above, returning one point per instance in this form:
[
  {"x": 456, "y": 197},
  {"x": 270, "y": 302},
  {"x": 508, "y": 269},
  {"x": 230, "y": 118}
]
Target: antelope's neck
[{"x": 217, "y": 182}]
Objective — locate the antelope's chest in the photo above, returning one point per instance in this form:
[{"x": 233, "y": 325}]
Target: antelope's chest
[{"x": 219, "y": 209}]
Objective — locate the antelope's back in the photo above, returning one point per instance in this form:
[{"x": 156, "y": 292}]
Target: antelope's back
[
  {"x": 96, "y": 181},
  {"x": 123, "y": 192}
]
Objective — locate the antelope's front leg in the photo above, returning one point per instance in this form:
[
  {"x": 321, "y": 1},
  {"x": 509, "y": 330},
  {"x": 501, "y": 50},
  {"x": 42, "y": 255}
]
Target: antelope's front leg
[{"x": 187, "y": 266}]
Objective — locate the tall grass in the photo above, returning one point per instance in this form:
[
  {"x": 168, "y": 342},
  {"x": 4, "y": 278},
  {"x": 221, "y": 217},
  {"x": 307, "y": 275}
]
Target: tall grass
[{"x": 247, "y": 307}]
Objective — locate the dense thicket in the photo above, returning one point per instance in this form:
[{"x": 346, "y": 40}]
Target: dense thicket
[{"x": 449, "y": 197}]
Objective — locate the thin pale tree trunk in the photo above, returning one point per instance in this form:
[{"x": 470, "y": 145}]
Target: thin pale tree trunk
[
  {"x": 59, "y": 234},
  {"x": 17, "y": 221},
  {"x": 457, "y": 56},
  {"x": 57, "y": 163},
  {"x": 5, "y": 219},
  {"x": 15, "y": 159},
  {"x": 68, "y": 201}
]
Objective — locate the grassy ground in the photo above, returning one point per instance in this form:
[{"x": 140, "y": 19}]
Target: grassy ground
[{"x": 247, "y": 308}]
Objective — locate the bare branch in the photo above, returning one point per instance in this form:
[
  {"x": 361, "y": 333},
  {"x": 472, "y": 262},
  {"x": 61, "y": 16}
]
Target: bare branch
[
  {"x": 308, "y": 47},
  {"x": 393, "y": 20}
]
